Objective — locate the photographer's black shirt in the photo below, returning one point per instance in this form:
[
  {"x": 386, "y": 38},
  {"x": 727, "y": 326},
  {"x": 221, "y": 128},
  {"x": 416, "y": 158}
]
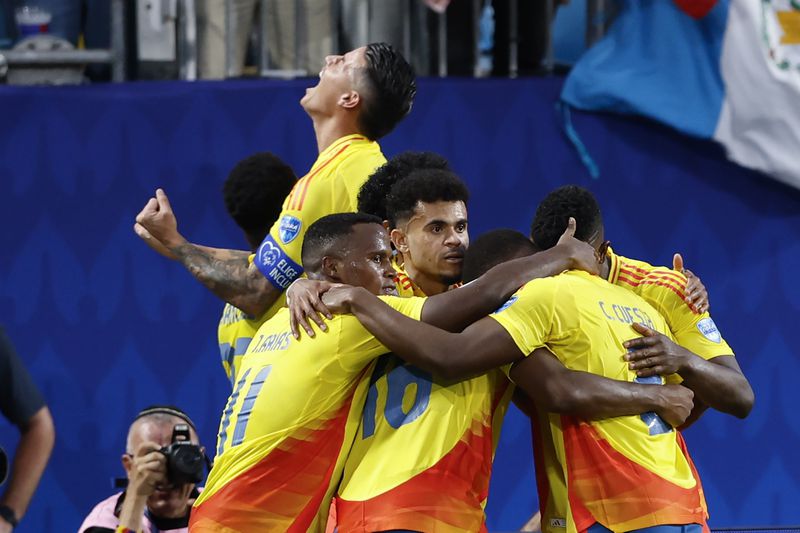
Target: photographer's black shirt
[{"x": 19, "y": 397}]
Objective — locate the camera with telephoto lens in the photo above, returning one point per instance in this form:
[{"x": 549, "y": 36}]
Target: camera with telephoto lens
[{"x": 185, "y": 460}]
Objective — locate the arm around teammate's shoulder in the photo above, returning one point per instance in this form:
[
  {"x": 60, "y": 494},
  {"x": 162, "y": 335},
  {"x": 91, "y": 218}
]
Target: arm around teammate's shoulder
[{"x": 451, "y": 356}]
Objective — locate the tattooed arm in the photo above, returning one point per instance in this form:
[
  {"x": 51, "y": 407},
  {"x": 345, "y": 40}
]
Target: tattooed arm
[{"x": 226, "y": 273}]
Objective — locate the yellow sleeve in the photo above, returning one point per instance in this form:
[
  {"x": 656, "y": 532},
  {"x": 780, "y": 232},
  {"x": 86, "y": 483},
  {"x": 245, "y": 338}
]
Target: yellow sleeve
[
  {"x": 278, "y": 256},
  {"x": 409, "y": 306},
  {"x": 357, "y": 346},
  {"x": 528, "y": 315},
  {"x": 695, "y": 332}
]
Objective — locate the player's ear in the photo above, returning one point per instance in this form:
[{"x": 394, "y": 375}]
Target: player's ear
[
  {"x": 349, "y": 100},
  {"x": 399, "y": 240},
  {"x": 331, "y": 268}
]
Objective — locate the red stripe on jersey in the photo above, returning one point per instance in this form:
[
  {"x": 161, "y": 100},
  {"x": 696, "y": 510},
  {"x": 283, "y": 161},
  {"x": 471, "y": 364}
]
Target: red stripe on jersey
[
  {"x": 607, "y": 487},
  {"x": 314, "y": 173},
  {"x": 285, "y": 489},
  {"x": 444, "y": 498},
  {"x": 636, "y": 284},
  {"x": 640, "y": 273},
  {"x": 677, "y": 282}
]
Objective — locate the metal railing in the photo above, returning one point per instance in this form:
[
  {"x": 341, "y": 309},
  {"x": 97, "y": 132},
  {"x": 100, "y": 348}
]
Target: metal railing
[
  {"x": 187, "y": 54},
  {"x": 114, "y": 56}
]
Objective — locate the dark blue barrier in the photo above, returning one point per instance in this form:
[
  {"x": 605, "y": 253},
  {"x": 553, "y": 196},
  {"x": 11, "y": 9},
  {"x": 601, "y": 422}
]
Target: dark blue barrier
[{"x": 108, "y": 327}]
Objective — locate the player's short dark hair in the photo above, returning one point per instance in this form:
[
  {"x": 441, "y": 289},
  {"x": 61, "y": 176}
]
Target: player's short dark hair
[
  {"x": 390, "y": 89},
  {"x": 254, "y": 193},
  {"x": 554, "y": 212},
  {"x": 492, "y": 248},
  {"x": 327, "y": 233},
  {"x": 372, "y": 196},
  {"x": 426, "y": 185}
]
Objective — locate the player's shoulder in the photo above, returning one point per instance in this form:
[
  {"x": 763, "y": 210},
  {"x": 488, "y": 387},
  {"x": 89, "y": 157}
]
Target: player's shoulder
[
  {"x": 360, "y": 155},
  {"x": 646, "y": 277}
]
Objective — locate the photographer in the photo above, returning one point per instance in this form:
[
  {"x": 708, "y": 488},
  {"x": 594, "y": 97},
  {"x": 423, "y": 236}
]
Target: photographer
[{"x": 158, "y": 496}]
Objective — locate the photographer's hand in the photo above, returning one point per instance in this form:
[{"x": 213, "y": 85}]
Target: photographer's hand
[{"x": 148, "y": 469}]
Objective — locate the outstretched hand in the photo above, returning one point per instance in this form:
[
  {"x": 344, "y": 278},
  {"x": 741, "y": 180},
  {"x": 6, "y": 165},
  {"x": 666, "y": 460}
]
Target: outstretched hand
[
  {"x": 581, "y": 254},
  {"x": 304, "y": 298},
  {"x": 696, "y": 294}
]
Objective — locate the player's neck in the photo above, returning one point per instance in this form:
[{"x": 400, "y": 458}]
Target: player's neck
[
  {"x": 430, "y": 285},
  {"x": 329, "y": 129},
  {"x": 605, "y": 268}
]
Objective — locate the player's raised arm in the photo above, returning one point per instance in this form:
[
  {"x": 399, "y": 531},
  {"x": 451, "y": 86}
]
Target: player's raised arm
[{"x": 227, "y": 273}]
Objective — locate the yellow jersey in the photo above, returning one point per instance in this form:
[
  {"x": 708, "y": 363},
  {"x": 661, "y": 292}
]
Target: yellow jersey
[
  {"x": 627, "y": 472},
  {"x": 288, "y": 426},
  {"x": 331, "y": 186},
  {"x": 665, "y": 290},
  {"x": 422, "y": 456},
  {"x": 234, "y": 333}
]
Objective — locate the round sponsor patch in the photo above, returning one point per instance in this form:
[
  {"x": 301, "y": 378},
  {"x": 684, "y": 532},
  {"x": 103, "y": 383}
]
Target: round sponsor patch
[
  {"x": 709, "y": 330},
  {"x": 508, "y": 304},
  {"x": 289, "y": 228}
]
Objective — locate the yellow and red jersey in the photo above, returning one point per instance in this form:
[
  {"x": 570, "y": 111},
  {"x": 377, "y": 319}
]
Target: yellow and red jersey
[
  {"x": 331, "y": 186},
  {"x": 665, "y": 290},
  {"x": 288, "y": 426},
  {"x": 627, "y": 472},
  {"x": 234, "y": 333},
  {"x": 422, "y": 456}
]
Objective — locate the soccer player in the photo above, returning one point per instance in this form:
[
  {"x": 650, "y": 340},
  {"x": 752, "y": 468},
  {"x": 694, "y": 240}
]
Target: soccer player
[
  {"x": 701, "y": 356},
  {"x": 361, "y": 96},
  {"x": 253, "y": 194},
  {"x": 422, "y": 462},
  {"x": 296, "y": 404}
]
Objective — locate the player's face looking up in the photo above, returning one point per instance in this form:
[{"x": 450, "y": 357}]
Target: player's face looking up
[
  {"x": 364, "y": 260},
  {"x": 338, "y": 83},
  {"x": 433, "y": 240}
]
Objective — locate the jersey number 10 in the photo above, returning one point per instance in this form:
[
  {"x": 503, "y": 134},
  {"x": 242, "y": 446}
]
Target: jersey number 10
[{"x": 397, "y": 381}]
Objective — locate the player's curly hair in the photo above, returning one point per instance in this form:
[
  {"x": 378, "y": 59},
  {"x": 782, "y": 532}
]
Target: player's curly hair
[
  {"x": 372, "y": 196},
  {"x": 390, "y": 88},
  {"x": 492, "y": 248},
  {"x": 553, "y": 214},
  {"x": 424, "y": 185},
  {"x": 254, "y": 193}
]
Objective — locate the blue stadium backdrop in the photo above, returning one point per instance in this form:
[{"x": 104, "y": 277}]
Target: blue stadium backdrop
[{"x": 106, "y": 326}]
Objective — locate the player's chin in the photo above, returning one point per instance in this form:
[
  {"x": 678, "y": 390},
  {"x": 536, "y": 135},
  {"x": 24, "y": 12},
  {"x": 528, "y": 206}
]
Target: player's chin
[
  {"x": 389, "y": 291},
  {"x": 450, "y": 271}
]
